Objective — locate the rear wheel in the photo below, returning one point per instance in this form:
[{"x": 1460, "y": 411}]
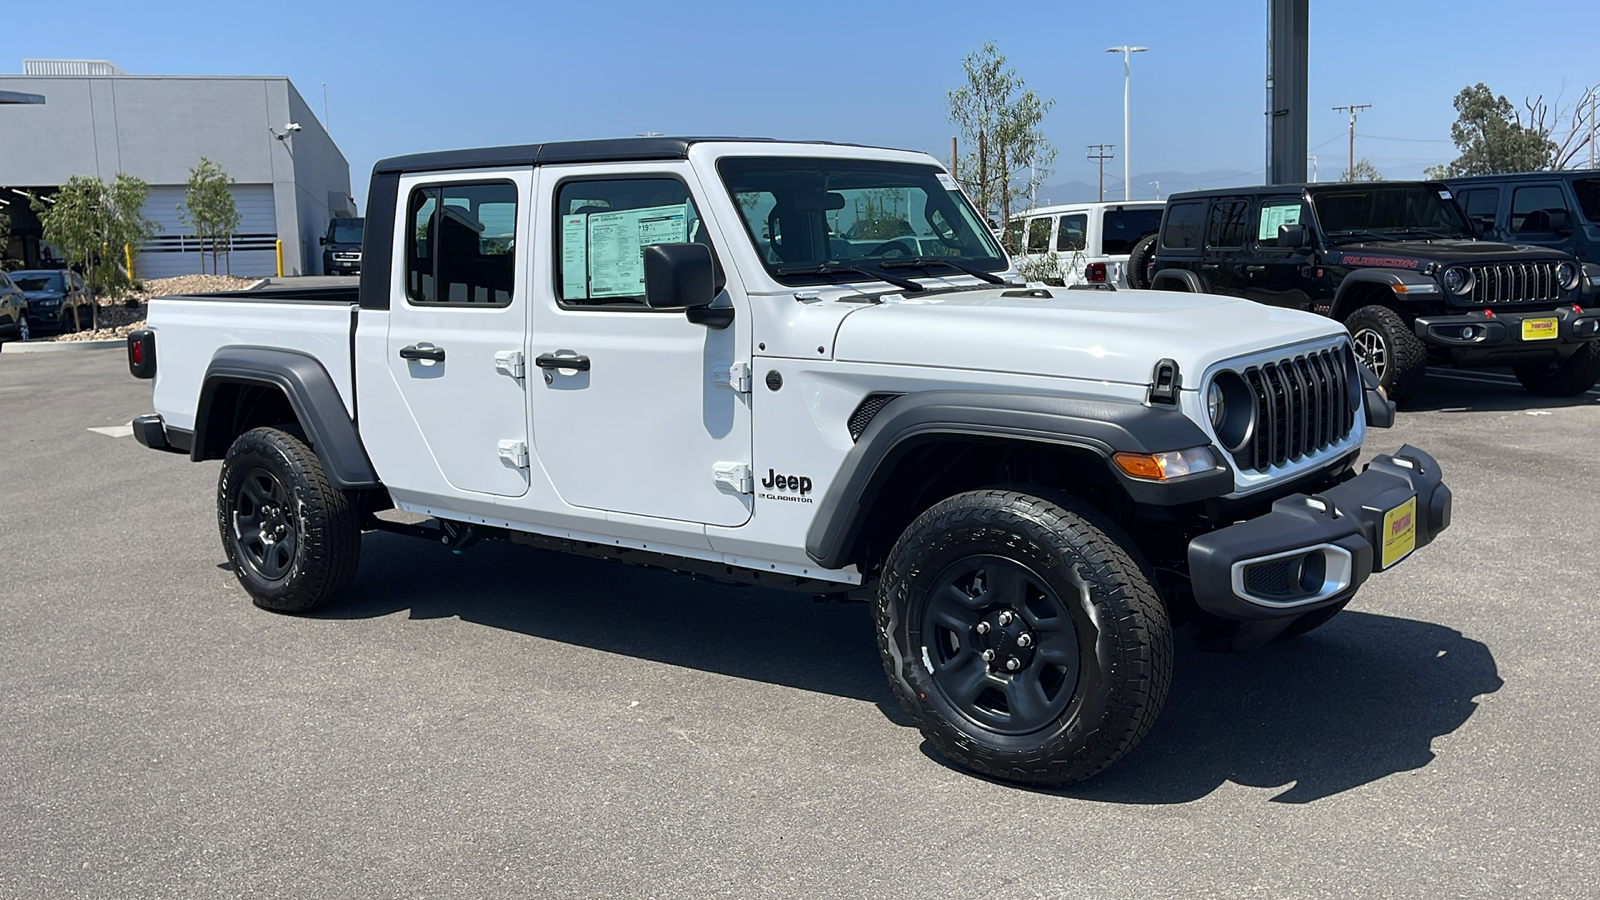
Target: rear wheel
[
  {"x": 292, "y": 538},
  {"x": 1139, "y": 260},
  {"x": 1021, "y": 636},
  {"x": 1569, "y": 378},
  {"x": 1387, "y": 346}
]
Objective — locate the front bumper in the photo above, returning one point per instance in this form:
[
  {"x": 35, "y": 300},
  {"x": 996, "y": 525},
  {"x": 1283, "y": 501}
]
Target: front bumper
[
  {"x": 1315, "y": 551},
  {"x": 1486, "y": 333}
]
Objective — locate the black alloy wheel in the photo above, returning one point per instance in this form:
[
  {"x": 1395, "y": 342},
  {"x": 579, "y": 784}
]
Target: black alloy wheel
[
  {"x": 1003, "y": 645},
  {"x": 266, "y": 532}
]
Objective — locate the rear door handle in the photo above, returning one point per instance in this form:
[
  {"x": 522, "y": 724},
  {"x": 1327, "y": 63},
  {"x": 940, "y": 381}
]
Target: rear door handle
[
  {"x": 1255, "y": 268},
  {"x": 436, "y": 354},
  {"x": 552, "y": 361},
  {"x": 1209, "y": 267}
]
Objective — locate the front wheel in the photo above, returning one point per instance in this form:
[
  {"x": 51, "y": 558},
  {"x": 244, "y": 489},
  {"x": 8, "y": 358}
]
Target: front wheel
[
  {"x": 1022, "y": 637},
  {"x": 1569, "y": 378},
  {"x": 292, "y": 538},
  {"x": 1390, "y": 349}
]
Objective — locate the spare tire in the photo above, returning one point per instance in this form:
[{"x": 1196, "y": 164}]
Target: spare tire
[{"x": 1139, "y": 261}]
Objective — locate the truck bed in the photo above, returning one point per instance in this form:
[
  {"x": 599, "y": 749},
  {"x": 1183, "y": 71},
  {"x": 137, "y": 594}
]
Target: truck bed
[{"x": 189, "y": 329}]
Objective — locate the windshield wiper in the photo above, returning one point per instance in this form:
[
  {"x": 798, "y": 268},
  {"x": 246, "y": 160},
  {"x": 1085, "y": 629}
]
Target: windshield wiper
[
  {"x": 904, "y": 284},
  {"x": 923, "y": 262},
  {"x": 1433, "y": 234},
  {"x": 1351, "y": 233}
]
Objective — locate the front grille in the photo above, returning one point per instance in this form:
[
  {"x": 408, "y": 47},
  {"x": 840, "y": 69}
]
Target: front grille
[
  {"x": 1515, "y": 283},
  {"x": 1303, "y": 405}
]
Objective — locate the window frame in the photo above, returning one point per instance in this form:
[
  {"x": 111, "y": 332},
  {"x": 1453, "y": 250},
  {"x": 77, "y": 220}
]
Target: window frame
[
  {"x": 1204, "y": 205},
  {"x": 1049, "y": 235},
  {"x": 410, "y": 233},
  {"x": 1253, "y": 226},
  {"x": 1511, "y": 212},
  {"x": 1242, "y": 224},
  {"x": 1083, "y": 246},
  {"x": 619, "y": 304}
]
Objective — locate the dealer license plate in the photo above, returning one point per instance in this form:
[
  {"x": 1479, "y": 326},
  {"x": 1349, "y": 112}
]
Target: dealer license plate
[
  {"x": 1399, "y": 532},
  {"x": 1540, "y": 329}
]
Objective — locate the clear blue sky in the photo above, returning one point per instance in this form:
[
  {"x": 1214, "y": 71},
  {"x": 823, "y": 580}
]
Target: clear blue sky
[{"x": 405, "y": 76}]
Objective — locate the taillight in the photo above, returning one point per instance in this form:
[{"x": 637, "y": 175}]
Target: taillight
[
  {"x": 1095, "y": 272},
  {"x": 142, "y": 353}
]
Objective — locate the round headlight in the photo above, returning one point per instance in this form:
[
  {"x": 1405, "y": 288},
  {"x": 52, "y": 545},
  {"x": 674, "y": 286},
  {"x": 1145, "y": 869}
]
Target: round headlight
[
  {"x": 1231, "y": 405},
  {"x": 1216, "y": 404},
  {"x": 1457, "y": 281},
  {"x": 1567, "y": 274}
]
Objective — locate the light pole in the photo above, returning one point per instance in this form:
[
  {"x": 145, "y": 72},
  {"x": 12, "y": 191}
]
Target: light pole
[
  {"x": 1312, "y": 158},
  {"x": 1158, "y": 189},
  {"x": 1127, "y": 53}
]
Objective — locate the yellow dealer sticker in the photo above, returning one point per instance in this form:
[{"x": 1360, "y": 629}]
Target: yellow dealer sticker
[
  {"x": 1540, "y": 330},
  {"x": 1399, "y": 532}
]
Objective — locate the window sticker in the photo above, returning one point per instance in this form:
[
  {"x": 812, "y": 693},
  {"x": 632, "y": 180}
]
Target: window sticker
[
  {"x": 616, "y": 242},
  {"x": 946, "y": 181},
  {"x": 1444, "y": 195},
  {"x": 574, "y": 257},
  {"x": 1273, "y": 216}
]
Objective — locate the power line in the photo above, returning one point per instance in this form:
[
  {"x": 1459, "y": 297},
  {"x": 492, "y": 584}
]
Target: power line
[
  {"x": 1101, "y": 153},
  {"x": 1379, "y": 137}
]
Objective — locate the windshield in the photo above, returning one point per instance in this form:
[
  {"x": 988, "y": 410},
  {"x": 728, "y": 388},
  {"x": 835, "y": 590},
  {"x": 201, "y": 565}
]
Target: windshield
[
  {"x": 50, "y": 281},
  {"x": 346, "y": 231},
  {"x": 1389, "y": 211},
  {"x": 829, "y": 215}
]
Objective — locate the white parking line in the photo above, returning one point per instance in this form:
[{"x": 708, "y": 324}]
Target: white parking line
[{"x": 115, "y": 430}]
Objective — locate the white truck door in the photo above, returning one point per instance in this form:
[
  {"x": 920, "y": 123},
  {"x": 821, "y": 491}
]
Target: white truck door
[
  {"x": 458, "y": 324},
  {"x": 652, "y": 416}
]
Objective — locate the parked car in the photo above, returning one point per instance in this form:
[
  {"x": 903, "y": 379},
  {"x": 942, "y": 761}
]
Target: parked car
[
  {"x": 58, "y": 299},
  {"x": 341, "y": 246},
  {"x": 1398, "y": 264},
  {"x": 13, "y": 311},
  {"x": 1026, "y": 483},
  {"x": 1559, "y": 210},
  {"x": 1081, "y": 243}
]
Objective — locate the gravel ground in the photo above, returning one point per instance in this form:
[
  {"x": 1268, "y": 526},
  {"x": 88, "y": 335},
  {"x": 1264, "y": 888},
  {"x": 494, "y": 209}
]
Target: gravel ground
[{"x": 117, "y": 318}]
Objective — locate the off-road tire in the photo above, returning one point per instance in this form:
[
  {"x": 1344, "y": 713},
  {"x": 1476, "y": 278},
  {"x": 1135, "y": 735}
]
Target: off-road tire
[
  {"x": 1574, "y": 375},
  {"x": 321, "y": 521},
  {"x": 1139, "y": 261},
  {"x": 1404, "y": 356},
  {"x": 1120, "y": 633}
]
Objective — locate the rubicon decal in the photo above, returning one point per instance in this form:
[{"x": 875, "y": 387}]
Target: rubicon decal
[
  {"x": 1385, "y": 262},
  {"x": 793, "y": 488}
]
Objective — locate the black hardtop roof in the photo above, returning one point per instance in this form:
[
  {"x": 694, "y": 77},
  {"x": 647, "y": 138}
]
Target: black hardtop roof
[
  {"x": 1257, "y": 189},
  {"x": 1526, "y": 176},
  {"x": 603, "y": 150}
]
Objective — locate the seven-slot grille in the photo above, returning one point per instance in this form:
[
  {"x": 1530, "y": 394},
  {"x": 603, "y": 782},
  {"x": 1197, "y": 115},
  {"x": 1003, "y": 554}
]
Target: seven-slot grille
[
  {"x": 1515, "y": 283},
  {"x": 1303, "y": 405}
]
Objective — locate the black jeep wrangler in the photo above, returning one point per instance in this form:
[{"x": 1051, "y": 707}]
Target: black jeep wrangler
[{"x": 1398, "y": 264}]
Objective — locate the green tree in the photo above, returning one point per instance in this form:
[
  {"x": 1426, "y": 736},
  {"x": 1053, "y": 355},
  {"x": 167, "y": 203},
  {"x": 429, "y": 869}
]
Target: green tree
[
  {"x": 999, "y": 119},
  {"x": 1363, "y": 170},
  {"x": 208, "y": 208},
  {"x": 92, "y": 222},
  {"x": 1436, "y": 173},
  {"x": 1492, "y": 138}
]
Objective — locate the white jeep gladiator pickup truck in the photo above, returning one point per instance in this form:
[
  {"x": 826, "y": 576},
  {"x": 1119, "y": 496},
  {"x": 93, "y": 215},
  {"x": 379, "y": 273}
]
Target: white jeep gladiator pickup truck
[{"x": 719, "y": 357}]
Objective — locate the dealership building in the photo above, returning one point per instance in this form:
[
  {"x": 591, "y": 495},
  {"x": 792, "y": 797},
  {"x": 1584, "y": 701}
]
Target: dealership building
[{"x": 97, "y": 120}]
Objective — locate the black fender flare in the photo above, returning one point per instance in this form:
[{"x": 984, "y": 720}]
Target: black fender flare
[
  {"x": 1179, "y": 279},
  {"x": 311, "y": 394},
  {"x": 1387, "y": 278},
  {"x": 1100, "y": 427}
]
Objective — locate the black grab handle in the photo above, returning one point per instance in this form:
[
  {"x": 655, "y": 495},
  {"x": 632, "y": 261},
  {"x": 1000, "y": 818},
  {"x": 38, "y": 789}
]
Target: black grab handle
[
  {"x": 414, "y": 352},
  {"x": 552, "y": 361}
]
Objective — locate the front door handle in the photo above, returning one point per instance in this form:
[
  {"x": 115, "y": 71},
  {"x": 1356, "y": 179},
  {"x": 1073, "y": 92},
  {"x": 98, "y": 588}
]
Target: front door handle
[
  {"x": 552, "y": 361},
  {"x": 435, "y": 354},
  {"x": 1255, "y": 268},
  {"x": 1209, "y": 267}
]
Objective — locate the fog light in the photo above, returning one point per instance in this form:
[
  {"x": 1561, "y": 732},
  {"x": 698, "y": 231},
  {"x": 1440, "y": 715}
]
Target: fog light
[{"x": 1468, "y": 333}]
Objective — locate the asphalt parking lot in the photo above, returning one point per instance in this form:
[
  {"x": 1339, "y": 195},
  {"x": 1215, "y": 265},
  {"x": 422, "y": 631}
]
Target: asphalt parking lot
[{"x": 511, "y": 723}]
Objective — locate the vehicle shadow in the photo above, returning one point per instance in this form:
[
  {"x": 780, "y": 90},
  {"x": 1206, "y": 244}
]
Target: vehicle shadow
[
  {"x": 1359, "y": 699},
  {"x": 1487, "y": 391}
]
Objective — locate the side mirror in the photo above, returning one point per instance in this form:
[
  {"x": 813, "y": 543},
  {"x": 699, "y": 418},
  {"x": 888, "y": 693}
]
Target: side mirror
[
  {"x": 682, "y": 276},
  {"x": 1558, "y": 220},
  {"x": 322, "y": 241},
  {"x": 1293, "y": 236}
]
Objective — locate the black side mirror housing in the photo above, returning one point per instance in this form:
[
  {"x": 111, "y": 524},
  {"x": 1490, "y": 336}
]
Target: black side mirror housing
[
  {"x": 322, "y": 241},
  {"x": 1293, "y": 236},
  {"x": 1558, "y": 220},
  {"x": 683, "y": 276}
]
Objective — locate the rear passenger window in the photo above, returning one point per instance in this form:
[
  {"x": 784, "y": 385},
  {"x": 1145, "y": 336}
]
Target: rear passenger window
[
  {"x": 1071, "y": 234},
  {"x": 1039, "y": 235},
  {"x": 461, "y": 243},
  {"x": 1531, "y": 207},
  {"x": 1227, "y": 223},
  {"x": 603, "y": 226},
  {"x": 1181, "y": 230}
]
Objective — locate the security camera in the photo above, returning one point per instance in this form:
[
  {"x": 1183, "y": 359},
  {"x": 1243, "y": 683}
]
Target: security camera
[{"x": 292, "y": 126}]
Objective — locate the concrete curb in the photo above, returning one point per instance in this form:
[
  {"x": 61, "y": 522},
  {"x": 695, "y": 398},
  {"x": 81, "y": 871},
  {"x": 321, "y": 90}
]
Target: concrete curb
[{"x": 52, "y": 346}]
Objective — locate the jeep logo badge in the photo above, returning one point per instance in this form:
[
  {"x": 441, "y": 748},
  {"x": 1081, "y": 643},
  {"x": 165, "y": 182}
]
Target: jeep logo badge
[{"x": 795, "y": 487}]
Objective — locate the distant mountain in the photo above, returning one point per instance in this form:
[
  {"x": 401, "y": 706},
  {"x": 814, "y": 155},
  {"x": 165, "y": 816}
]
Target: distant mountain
[{"x": 1171, "y": 182}]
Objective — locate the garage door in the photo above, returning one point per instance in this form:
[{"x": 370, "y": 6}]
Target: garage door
[{"x": 175, "y": 250}]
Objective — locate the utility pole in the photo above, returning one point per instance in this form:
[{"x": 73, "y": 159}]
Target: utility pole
[
  {"x": 1592, "y": 92},
  {"x": 953, "y": 157},
  {"x": 1101, "y": 153},
  {"x": 1127, "y": 183},
  {"x": 1312, "y": 158},
  {"x": 1158, "y": 189},
  {"x": 1352, "y": 109}
]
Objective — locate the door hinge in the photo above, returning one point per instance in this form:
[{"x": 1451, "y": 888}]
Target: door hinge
[
  {"x": 735, "y": 475},
  {"x": 509, "y": 362},
  {"x": 735, "y": 377},
  {"x": 515, "y": 453}
]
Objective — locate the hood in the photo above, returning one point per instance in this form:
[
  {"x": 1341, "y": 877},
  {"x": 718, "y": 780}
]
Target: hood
[
  {"x": 50, "y": 294},
  {"x": 1441, "y": 251},
  {"x": 1114, "y": 336}
]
